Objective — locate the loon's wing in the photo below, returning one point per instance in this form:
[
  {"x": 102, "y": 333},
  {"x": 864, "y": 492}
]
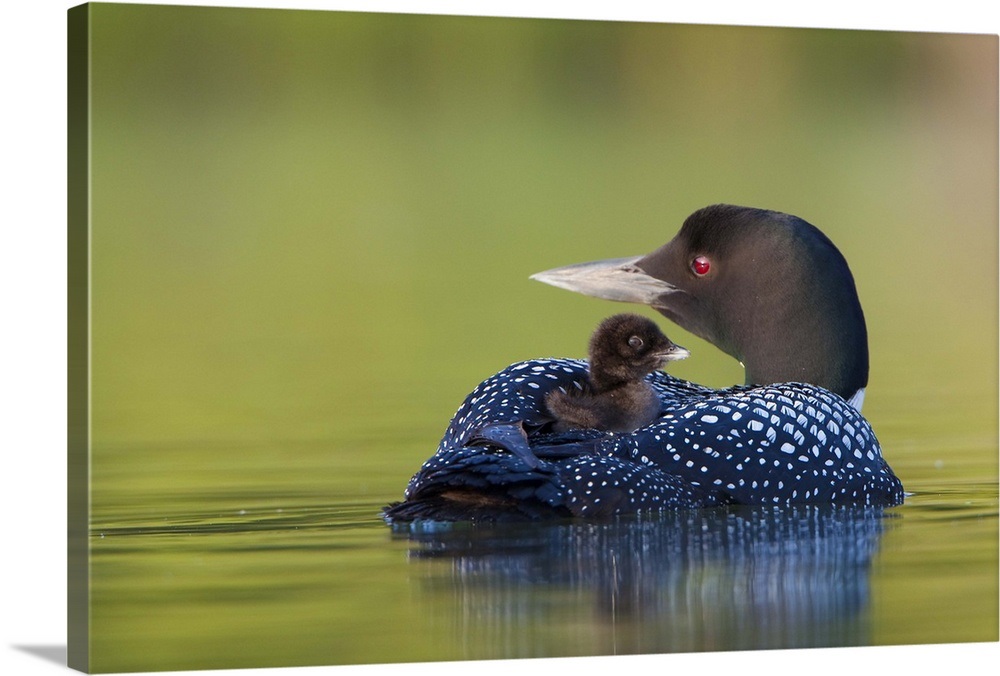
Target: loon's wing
[
  {"x": 498, "y": 459},
  {"x": 478, "y": 483}
]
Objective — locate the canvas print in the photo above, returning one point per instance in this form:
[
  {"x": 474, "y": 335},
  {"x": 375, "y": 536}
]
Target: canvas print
[{"x": 413, "y": 338}]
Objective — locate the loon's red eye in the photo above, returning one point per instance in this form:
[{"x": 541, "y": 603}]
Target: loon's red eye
[{"x": 701, "y": 266}]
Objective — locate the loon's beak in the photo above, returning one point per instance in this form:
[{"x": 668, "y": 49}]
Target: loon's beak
[{"x": 614, "y": 279}]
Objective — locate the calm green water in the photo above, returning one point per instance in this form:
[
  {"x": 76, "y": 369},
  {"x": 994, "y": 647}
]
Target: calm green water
[
  {"x": 265, "y": 568},
  {"x": 311, "y": 238}
]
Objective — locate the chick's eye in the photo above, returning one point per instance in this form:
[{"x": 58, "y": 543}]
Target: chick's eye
[
  {"x": 635, "y": 342},
  {"x": 701, "y": 265}
]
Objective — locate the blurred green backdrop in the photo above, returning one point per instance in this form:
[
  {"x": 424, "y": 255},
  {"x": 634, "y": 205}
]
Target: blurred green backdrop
[
  {"x": 316, "y": 224},
  {"x": 313, "y": 231}
]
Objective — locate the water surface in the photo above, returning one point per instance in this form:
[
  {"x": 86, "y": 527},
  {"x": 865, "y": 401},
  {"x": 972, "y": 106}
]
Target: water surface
[{"x": 277, "y": 573}]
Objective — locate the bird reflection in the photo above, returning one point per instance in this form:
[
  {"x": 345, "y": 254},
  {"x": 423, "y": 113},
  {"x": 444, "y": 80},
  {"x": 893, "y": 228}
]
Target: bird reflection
[{"x": 733, "y": 578}]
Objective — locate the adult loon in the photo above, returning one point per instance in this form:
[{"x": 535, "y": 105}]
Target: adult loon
[
  {"x": 623, "y": 350},
  {"x": 765, "y": 287}
]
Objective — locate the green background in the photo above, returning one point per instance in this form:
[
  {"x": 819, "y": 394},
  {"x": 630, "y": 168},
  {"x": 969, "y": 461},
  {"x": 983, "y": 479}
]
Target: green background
[{"x": 326, "y": 208}]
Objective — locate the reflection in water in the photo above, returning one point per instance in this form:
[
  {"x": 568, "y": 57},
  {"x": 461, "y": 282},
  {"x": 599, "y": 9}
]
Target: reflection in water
[{"x": 725, "y": 579}]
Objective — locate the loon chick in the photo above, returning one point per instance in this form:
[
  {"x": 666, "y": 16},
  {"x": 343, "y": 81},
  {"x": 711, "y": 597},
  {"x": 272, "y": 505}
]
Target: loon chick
[
  {"x": 767, "y": 288},
  {"x": 624, "y": 349}
]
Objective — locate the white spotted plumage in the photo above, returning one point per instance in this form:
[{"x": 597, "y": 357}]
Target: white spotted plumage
[{"x": 777, "y": 444}]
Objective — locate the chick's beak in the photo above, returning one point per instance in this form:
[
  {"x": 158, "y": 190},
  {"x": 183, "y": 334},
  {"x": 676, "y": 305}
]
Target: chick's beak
[{"x": 674, "y": 353}]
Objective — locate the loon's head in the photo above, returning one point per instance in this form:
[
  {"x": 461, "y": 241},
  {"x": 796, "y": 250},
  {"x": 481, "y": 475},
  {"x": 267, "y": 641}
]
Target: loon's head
[
  {"x": 765, "y": 287},
  {"x": 626, "y": 347}
]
